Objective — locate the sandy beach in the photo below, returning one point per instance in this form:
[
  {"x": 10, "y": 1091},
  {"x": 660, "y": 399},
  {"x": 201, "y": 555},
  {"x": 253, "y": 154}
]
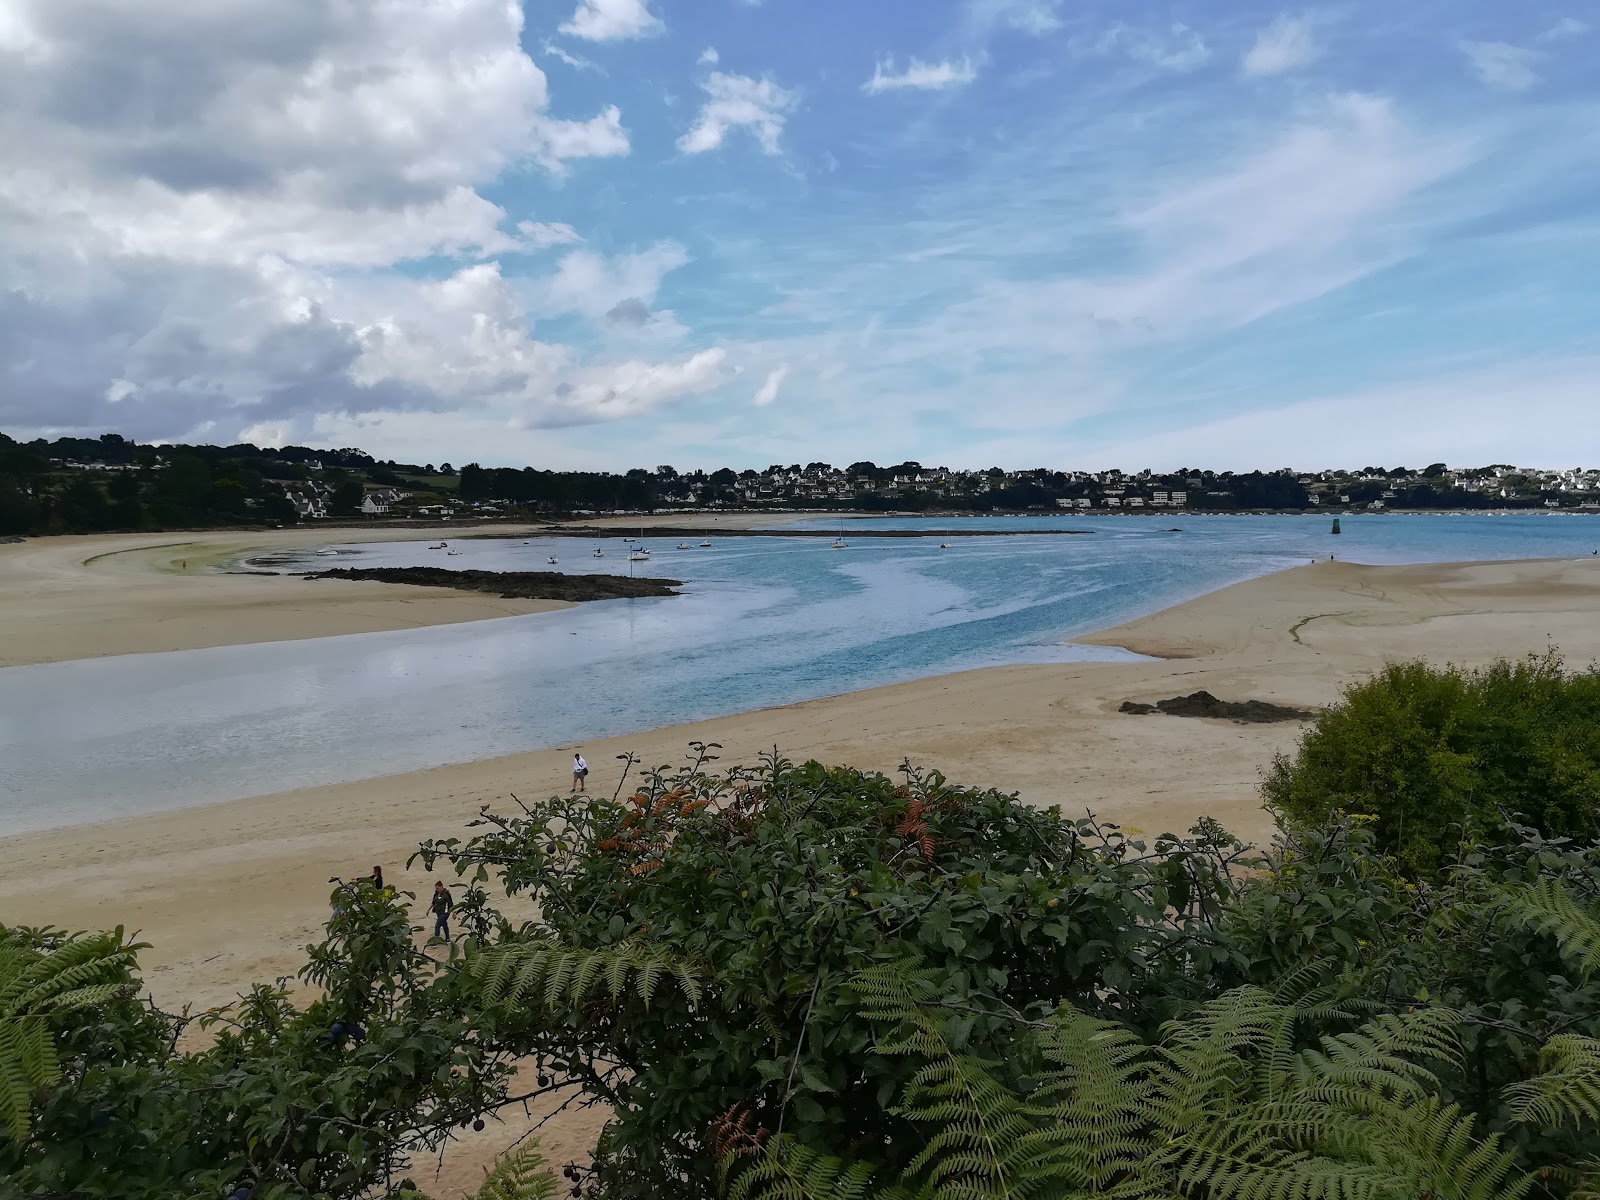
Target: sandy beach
[{"x": 230, "y": 893}]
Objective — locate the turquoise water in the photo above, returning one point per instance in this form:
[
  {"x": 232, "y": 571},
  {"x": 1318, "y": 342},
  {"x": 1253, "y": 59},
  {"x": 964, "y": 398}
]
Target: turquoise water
[{"x": 762, "y": 621}]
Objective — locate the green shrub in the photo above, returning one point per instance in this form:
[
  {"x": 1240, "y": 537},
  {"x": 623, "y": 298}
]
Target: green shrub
[
  {"x": 695, "y": 961},
  {"x": 810, "y": 983},
  {"x": 1440, "y": 757}
]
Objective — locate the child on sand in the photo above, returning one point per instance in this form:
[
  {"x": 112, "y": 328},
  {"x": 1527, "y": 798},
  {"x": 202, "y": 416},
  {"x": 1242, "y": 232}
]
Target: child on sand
[{"x": 580, "y": 772}]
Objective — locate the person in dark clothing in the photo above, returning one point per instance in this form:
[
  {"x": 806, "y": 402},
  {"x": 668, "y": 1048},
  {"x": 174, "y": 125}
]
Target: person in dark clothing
[
  {"x": 441, "y": 905},
  {"x": 377, "y": 878}
]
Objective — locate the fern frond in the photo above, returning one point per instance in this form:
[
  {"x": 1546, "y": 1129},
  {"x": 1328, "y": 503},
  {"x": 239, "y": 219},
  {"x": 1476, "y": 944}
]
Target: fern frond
[
  {"x": 1567, "y": 1087},
  {"x": 1550, "y": 907},
  {"x": 82, "y": 972},
  {"x": 1098, "y": 1097},
  {"x": 521, "y": 1175},
  {"x": 1378, "y": 1057},
  {"x": 552, "y": 976},
  {"x": 787, "y": 1170},
  {"x": 1434, "y": 1150}
]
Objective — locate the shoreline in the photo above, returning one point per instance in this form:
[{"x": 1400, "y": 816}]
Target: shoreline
[
  {"x": 230, "y": 893},
  {"x": 1290, "y": 634}
]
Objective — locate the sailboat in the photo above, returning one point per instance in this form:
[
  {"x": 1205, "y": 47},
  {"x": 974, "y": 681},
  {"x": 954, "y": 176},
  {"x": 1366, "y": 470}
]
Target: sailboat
[
  {"x": 706, "y": 545},
  {"x": 640, "y": 554},
  {"x": 599, "y": 553},
  {"x": 683, "y": 545},
  {"x": 551, "y": 560},
  {"x": 838, "y": 542}
]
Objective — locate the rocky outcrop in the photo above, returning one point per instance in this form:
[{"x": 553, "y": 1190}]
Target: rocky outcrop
[
  {"x": 514, "y": 585},
  {"x": 1204, "y": 704}
]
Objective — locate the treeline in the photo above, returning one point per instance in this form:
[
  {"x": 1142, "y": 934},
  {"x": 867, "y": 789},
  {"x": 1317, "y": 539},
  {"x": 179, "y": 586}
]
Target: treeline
[
  {"x": 83, "y": 485},
  {"x": 111, "y": 483}
]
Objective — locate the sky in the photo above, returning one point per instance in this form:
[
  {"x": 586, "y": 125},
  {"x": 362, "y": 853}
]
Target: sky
[{"x": 602, "y": 234}]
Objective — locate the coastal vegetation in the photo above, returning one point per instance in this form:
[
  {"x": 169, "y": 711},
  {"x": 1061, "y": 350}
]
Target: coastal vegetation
[
  {"x": 514, "y": 585},
  {"x": 791, "y": 980},
  {"x": 1438, "y": 759},
  {"x": 86, "y": 485}
]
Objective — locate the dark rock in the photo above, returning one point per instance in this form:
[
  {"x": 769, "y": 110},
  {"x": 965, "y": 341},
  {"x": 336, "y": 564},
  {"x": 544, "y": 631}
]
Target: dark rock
[
  {"x": 1204, "y": 704},
  {"x": 514, "y": 585}
]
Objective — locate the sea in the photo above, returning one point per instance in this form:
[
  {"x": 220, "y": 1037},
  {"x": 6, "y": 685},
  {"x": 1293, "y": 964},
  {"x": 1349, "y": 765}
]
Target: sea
[{"x": 761, "y": 621}]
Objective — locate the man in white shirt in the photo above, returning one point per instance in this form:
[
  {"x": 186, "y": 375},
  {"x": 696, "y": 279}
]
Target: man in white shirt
[{"x": 580, "y": 772}]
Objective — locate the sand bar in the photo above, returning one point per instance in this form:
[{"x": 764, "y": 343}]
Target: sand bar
[{"x": 104, "y": 594}]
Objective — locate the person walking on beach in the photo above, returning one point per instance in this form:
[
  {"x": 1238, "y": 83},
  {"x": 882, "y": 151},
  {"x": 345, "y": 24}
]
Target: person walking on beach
[
  {"x": 580, "y": 772},
  {"x": 440, "y": 906},
  {"x": 376, "y": 879}
]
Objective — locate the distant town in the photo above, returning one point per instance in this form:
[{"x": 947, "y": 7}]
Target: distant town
[{"x": 113, "y": 483}]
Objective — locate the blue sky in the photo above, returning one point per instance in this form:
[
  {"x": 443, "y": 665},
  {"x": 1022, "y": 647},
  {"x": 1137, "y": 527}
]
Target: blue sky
[{"x": 608, "y": 233}]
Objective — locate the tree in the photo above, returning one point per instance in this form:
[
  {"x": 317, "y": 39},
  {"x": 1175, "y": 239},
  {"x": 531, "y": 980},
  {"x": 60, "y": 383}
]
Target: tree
[{"x": 347, "y": 493}]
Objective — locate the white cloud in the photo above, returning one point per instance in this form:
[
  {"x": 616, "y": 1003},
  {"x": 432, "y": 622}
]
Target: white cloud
[
  {"x": 572, "y": 60},
  {"x": 1566, "y": 27},
  {"x": 1035, "y": 17},
  {"x": 920, "y": 75},
  {"x": 708, "y": 57},
  {"x": 735, "y": 102},
  {"x": 613, "y": 20},
  {"x": 206, "y": 243},
  {"x": 1502, "y": 65},
  {"x": 592, "y": 285},
  {"x": 768, "y": 391},
  {"x": 269, "y": 435},
  {"x": 1177, "y": 48},
  {"x": 1460, "y": 417},
  {"x": 540, "y": 235},
  {"x": 630, "y": 389},
  {"x": 1287, "y": 43},
  {"x": 601, "y": 136}
]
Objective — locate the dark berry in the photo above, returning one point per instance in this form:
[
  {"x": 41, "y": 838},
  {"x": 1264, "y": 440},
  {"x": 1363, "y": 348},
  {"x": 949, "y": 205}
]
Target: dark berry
[{"x": 478, "y": 1125}]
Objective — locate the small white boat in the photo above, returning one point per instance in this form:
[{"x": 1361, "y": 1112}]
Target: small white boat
[
  {"x": 639, "y": 556},
  {"x": 836, "y": 544},
  {"x": 599, "y": 553},
  {"x": 325, "y": 553},
  {"x": 683, "y": 545},
  {"x": 705, "y": 545},
  {"x": 944, "y": 545},
  {"x": 551, "y": 560},
  {"x": 452, "y": 553}
]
